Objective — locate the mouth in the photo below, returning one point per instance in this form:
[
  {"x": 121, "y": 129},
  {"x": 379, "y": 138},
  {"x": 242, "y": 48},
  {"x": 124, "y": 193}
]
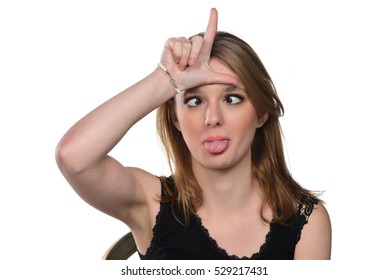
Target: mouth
[{"x": 216, "y": 145}]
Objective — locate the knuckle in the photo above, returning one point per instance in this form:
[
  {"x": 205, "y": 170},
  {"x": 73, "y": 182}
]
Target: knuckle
[
  {"x": 170, "y": 41},
  {"x": 197, "y": 37},
  {"x": 187, "y": 45}
]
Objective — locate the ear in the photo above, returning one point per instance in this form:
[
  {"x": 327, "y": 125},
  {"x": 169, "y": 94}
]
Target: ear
[{"x": 262, "y": 119}]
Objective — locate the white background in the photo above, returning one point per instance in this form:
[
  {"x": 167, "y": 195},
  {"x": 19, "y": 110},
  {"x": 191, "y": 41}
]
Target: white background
[{"x": 60, "y": 59}]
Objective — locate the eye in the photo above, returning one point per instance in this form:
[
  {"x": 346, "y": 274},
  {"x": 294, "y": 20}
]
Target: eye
[
  {"x": 233, "y": 99},
  {"x": 193, "y": 101}
]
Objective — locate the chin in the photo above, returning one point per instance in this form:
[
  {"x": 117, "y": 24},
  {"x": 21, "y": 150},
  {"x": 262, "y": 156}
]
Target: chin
[{"x": 217, "y": 164}]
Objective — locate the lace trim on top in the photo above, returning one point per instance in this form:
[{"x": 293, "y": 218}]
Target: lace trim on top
[
  {"x": 224, "y": 252},
  {"x": 305, "y": 207},
  {"x": 304, "y": 210}
]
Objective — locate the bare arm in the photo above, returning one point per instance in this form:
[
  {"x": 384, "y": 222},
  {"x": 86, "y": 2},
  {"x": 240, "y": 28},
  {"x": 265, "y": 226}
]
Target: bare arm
[
  {"x": 315, "y": 242},
  {"x": 82, "y": 154}
]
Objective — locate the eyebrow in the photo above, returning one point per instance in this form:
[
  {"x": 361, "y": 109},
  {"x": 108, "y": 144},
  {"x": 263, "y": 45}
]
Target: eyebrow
[{"x": 197, "y": 90}]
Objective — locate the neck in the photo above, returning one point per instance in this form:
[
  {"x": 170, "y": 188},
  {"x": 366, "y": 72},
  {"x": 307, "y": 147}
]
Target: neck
[{"x": 227, "y": 188}]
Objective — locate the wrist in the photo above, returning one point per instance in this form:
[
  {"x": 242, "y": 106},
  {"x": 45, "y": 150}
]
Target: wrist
[
  {"x": 158, "y": 86},
  {"x": 171, "y": 79}
]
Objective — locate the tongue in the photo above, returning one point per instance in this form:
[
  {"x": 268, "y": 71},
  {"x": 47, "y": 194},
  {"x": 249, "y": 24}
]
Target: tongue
[{"x": 216, "y": 147}]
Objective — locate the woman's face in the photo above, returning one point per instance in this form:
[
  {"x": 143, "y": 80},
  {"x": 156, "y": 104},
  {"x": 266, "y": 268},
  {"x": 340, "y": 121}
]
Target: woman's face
[{"x": 218, "y": 122}]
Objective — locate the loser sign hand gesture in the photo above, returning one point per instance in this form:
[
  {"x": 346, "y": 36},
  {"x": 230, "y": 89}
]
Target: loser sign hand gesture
[{"x": 188, "y": 60}]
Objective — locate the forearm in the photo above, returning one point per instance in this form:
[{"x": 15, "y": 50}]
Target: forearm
[{"x": 92, "y": 137}]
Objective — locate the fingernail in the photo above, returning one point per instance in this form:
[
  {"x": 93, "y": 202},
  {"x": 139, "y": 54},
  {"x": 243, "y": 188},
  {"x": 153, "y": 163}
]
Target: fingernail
[{"x": 192, "y": 61}]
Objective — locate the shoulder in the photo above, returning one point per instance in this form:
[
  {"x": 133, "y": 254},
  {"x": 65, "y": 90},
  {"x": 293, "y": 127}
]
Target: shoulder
[{"x": 315, "y": 242}]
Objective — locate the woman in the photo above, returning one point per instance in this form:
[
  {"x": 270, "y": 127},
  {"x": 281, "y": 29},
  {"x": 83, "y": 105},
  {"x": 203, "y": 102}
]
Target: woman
[{"x": 231, "y": 195}]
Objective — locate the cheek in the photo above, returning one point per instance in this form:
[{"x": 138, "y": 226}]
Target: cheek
[
  {"x": 247, "y": 121},
  {"x": 189, "y": 124},
  {"x": 245, "y": 129}
]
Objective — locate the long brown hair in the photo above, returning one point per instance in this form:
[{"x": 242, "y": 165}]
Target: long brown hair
[{"x": 281, "y": 191}]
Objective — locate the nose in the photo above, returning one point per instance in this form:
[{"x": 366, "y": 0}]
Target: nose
[{"x": 213, "y": 115}]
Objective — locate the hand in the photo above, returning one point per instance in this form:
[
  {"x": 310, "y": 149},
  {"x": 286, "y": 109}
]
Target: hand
[{"x": 188, "y": 60}]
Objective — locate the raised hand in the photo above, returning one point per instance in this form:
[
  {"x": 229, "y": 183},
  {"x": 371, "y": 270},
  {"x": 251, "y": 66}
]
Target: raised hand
[{"x": 188, "y": 60}]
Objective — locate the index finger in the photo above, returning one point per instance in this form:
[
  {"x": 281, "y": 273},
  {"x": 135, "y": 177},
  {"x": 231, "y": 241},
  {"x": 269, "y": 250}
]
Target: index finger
[{"x": 209, "y": 34}]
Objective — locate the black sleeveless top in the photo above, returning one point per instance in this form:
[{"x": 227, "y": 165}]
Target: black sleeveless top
[{"x": 173, "y": 241}]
